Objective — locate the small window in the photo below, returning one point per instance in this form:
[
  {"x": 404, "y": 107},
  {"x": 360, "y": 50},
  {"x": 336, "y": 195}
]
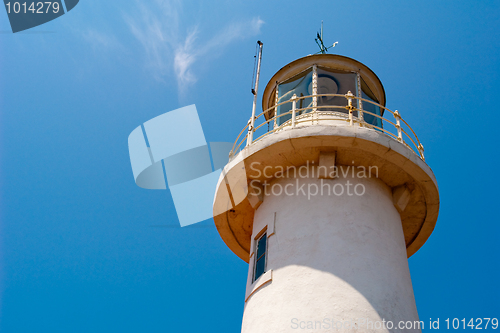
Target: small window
[{"x": 260, "y": 258}]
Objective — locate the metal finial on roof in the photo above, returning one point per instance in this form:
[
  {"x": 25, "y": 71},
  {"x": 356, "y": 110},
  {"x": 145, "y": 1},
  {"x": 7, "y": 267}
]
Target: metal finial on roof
[{"x": 319, "y": 40}]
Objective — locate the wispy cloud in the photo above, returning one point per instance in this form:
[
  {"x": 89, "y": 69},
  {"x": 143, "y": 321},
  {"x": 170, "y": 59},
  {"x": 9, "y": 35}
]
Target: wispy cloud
[
  {"x": 184, "y": 57},
  {"x": 173, "y": 49},
  {"x": 99, "y": 40}
]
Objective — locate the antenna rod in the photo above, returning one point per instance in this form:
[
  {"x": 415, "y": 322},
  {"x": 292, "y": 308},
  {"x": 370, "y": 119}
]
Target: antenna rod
[
  {"x": 322, "y": 33},
  {"x": 255, "y": 91}
]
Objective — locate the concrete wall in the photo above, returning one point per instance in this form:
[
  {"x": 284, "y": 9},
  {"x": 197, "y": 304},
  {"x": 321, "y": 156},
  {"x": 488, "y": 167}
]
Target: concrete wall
[{"x": 332, "y": 259}]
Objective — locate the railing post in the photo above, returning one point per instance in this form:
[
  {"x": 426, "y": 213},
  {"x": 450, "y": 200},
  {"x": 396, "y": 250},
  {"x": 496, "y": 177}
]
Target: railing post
[
  {"x": 398, "y": 125},
  {"x": 250, "y": 125},
  {"x": 421, "y": 151},
  {"x": 276, "y": 107},
  {"x": 349, "y": 97},
  {"x": 360, "y": 102},
  {"x": 314, "y": 91},
  {"x": 294, "y": 106}
]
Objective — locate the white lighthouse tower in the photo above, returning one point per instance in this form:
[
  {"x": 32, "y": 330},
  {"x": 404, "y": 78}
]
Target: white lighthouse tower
[{"x": 325, "y": 196}]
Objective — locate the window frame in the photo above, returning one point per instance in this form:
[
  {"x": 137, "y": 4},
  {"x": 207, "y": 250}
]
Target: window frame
[{"x": 259, "y": 236}]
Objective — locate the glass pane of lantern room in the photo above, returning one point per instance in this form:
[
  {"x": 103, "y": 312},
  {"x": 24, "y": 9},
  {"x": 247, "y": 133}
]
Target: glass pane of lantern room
[
  {"x": 335, "y": 82},
  {"x": 300, "y": 86},
  {"x": 368, "y": 94}
]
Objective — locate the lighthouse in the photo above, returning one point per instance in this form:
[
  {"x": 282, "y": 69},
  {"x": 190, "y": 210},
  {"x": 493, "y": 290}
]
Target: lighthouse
[{"x": 326, "y": 195}]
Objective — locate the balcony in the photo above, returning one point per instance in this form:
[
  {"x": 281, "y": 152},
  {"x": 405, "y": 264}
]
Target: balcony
[{"x": 315, "y": 110}]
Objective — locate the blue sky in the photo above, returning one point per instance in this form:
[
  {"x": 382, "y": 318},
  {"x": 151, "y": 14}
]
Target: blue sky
[{"x": 84, "y": 249}]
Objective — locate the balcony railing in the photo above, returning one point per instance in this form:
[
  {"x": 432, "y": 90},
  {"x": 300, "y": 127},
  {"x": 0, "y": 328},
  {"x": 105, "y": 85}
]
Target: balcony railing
[{"x": 352, "y": 113}]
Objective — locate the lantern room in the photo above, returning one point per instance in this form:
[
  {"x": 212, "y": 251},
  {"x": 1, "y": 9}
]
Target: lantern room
[{"x": 319, "y": 83}]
